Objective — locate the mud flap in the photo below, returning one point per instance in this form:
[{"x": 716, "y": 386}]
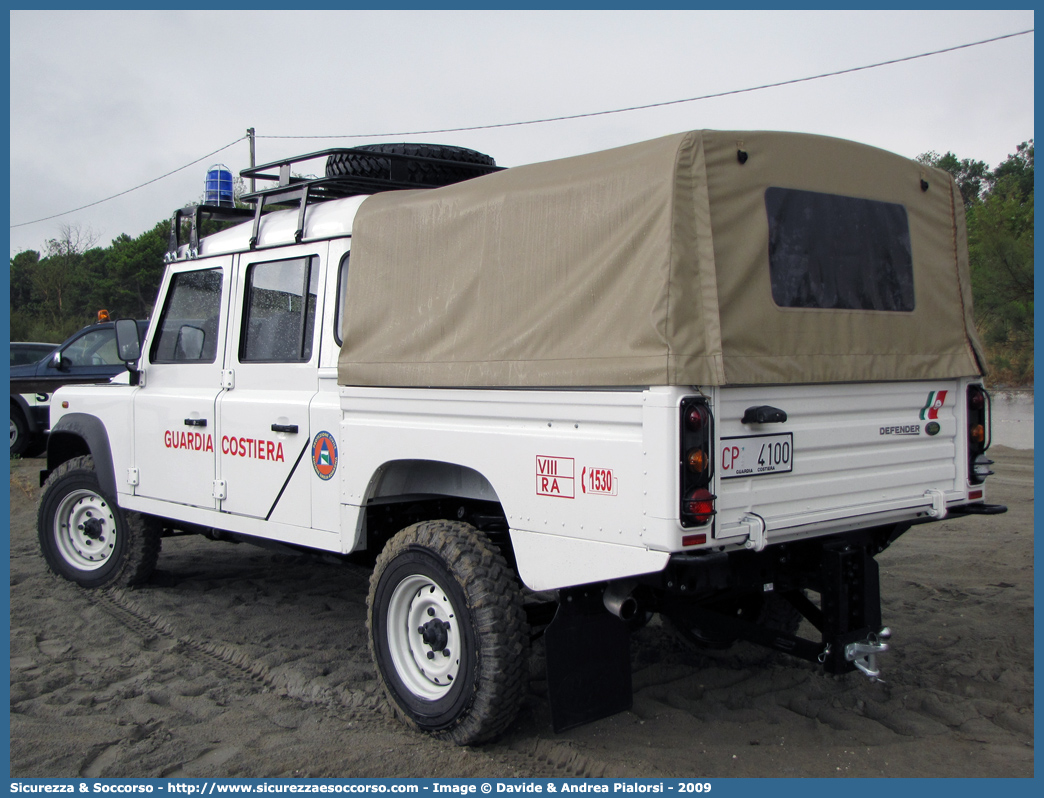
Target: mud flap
[{"x": 588, "y": 660}]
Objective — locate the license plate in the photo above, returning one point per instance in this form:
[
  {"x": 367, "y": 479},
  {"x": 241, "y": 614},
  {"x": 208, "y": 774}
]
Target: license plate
[{"x": 756, "y": 455}]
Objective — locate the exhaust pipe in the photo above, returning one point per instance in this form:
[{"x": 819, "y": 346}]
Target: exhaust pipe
[{"x": 619, "y": 601}]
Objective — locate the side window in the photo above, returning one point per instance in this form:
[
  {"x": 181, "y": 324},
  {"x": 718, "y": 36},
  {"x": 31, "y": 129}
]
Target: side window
[
  {"x": 96, "y": 348},
  {"x": 342, "y": 297},
  {"x": 188, "y": 327},
  {"x": 279, "y": 311}
]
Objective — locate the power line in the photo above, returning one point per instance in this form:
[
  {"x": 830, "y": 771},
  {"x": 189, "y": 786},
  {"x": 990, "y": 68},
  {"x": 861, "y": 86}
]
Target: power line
[
  {"x": 732, "y": 92},
  {"x": 666, "y": 102},
  {"x": 129, "y": 190}
]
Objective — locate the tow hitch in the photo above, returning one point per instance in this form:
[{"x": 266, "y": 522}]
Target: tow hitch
[
  {"x": 864, "y": 653},
  {"x": 842, "y": 571}
]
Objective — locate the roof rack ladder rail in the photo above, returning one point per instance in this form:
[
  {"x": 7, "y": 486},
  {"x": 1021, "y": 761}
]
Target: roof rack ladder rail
[
  {"x": 299, "y": 232},
  {"x": 257, "y": 221},
  {"x": 174, "y": 241},
  {"x": 195, "y": 224}
]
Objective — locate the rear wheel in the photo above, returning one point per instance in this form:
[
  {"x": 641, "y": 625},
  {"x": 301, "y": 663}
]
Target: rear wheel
[
  {"x": 86, "y": 537},
  {"x": 447, "y": 631}
]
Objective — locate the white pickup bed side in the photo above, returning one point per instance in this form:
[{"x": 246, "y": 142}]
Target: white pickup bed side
[
  {"x": 536, "y": 453},
  {"x": 535, "y": 449}
]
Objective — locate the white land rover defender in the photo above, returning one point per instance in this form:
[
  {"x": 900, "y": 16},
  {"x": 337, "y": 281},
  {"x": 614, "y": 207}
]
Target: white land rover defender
[{"x": 710, "y": 376}]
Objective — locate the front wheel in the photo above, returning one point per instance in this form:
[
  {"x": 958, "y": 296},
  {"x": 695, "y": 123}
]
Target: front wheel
[
  {"x": 447, "y": 631},
  {"x": 86, "y": 537}
]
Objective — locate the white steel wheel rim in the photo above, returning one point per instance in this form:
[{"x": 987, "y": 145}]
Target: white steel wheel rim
[
  {"x": 417, "y": 604},
  {"x": 85, "y": 530}
]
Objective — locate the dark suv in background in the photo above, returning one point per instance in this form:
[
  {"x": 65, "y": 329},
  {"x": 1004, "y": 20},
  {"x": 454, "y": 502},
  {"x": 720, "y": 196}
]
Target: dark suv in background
[
  {"x": 86, "y": 356},
  {"x": 22, "y": 354}
]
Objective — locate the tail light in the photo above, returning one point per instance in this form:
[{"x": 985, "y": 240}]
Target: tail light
[
  {"x": 699, "y": 506},
  {"x": 696, "y": 462},
  {"x": 978, "y": 434}
]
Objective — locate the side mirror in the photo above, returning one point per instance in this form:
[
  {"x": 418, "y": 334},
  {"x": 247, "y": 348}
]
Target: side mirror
[
  {"x": 128, "y": 341},
  {"x": 57, "y": 362}
]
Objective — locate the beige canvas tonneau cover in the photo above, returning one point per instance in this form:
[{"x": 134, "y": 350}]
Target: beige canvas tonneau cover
[{"x": 703, "y": 258}]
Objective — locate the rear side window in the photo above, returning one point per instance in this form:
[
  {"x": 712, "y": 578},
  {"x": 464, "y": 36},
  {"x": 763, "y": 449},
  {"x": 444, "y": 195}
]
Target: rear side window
[
  {"x": 279, "y": 312},
  {"x": 841, "y": 253},
  {"x": 189, "y": 324},
  {"x": 342, "y": 295}
]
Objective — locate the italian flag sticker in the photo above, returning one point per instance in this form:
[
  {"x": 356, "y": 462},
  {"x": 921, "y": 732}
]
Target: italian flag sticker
[{"x": 931, "y": 407}]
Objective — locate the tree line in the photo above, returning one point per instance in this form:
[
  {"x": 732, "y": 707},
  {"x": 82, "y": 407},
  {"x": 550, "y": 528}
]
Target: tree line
[
  {"x": 998, "y": 204},
  {"x": 59, "y": 290}
]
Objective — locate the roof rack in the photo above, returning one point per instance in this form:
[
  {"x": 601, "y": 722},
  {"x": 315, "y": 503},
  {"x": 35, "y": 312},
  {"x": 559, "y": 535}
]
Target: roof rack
[
  {"x": 195, "y": 214},
  {"x": 290, "y": 190}
]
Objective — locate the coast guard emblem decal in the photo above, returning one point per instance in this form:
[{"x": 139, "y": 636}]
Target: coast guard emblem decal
[{"x": 324, "y": 455}]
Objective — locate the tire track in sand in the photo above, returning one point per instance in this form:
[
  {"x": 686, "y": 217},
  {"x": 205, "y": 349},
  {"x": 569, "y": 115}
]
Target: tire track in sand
[
  {"x": 560, "y": 760},
  {"x": 226, "y": 659}
]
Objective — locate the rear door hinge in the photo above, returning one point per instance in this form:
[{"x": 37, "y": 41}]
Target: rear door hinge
[
  {"x": 220, "y": 489},
  {"x": 228, "y": 379},
  {"x": 132, "y": 477}
]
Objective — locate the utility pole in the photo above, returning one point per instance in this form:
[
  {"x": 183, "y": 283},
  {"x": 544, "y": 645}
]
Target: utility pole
[{"x": 250, "y": 135}]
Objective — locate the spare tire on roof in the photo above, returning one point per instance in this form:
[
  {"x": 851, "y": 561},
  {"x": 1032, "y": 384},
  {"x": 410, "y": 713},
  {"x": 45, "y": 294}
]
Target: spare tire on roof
[{"x": 354, "y": 164}]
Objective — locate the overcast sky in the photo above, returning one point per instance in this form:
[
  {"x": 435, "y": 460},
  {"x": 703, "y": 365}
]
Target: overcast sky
[{"x": 104, "y": 101}]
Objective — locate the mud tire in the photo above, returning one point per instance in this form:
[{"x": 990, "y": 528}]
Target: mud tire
[
  {"x": 449, "y": 573},
  {"x": 117, "y": 548}
]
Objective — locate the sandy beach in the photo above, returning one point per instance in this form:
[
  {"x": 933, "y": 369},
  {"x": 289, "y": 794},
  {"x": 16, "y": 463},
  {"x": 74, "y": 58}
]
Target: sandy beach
[{"x": 237, "y": 661}]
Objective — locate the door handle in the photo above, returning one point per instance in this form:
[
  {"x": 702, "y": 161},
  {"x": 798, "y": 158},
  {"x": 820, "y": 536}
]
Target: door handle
[
  {"x": 195, "y": 422},
  {"x": 291, "y": 428}
]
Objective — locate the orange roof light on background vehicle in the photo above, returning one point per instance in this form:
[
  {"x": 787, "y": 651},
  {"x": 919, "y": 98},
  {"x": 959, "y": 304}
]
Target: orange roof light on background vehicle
[{"x": 103, "y": 315}]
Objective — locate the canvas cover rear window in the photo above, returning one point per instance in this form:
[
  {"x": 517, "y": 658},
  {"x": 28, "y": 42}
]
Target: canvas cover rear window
[{"x": 840, "y": 253}]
